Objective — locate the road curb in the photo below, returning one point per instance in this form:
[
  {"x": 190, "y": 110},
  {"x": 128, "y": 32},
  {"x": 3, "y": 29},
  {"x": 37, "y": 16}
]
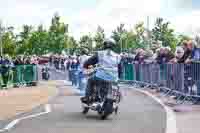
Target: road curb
[
  {"x": 171, "y": 117},
  {"x": 18, "y": 117},
  {"x": 13, "y": 123}
]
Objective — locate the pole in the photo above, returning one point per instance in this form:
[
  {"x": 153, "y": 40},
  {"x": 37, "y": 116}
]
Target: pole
[
  {"x": 126, "y": 45},
  {"x": 120, "y": 44},
  {"x": 148, "y": 33},
  {"x": 68, "y": 51},
  {"x": 1, "y": 42}
]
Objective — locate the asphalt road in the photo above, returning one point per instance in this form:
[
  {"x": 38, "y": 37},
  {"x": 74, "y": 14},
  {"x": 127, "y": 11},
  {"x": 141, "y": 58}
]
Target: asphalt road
[
  {"x": 138, "y": 114},
  {"x": 54, "y": 74}
]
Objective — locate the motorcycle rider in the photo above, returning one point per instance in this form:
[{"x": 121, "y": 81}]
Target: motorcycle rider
[{"x": 106, "y": 58}]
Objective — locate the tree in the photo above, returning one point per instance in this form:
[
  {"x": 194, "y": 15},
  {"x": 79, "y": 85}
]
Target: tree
[
  {"x": 140, "y": 38},
  {"x": 99, "y": 37},
  {"x": 162, "y": 32},
  {"x": 86, "y": 41},
  {"x": 25, "y": 34},
  {"x": 131, "y": 40},
  {"x": 22, "y": 43},
  {"x": 55, "y": 39},
  {"x": 134, "y": 38},
  {"x": 71, "y": 45},
  {"x": 182, "y": 38},
  {"x": 9, "y": 43},
  {"x": 58, "y": 33},
  {"x": 38, "y": 42},
  {"x": 117, "y": 35}
]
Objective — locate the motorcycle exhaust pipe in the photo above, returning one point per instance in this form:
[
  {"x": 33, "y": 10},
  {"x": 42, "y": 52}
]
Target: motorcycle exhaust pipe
[{"x": 93, "y": 106}]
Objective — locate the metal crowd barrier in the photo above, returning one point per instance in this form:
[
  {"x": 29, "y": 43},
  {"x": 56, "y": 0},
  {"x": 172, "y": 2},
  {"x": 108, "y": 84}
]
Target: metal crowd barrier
[
  {"x": 179, "y": 80},
  {"x": 19, "y": 75}
]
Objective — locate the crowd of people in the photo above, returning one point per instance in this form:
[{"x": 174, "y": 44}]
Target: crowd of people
[
  {"x": 182, "y": 66},
  {"x": 10, "y": 67},
  {"x": 19, "y": 60},
  {"x": 187, "y": 52},
  {"x": 73, "y": 65}
]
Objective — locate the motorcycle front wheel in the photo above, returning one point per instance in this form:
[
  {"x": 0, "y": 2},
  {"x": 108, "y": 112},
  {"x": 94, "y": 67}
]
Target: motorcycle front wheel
[{"x": 85, "y": 110}]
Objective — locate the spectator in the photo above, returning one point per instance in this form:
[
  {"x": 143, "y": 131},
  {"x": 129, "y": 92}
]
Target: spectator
[
  {"x": 149, "y": 56},
  {"x": 195, "y": 52},
  {"x": 160, "y": 59},
  {"x": 164, "y": 55},
  {"x": 27, "y": 61},
  {"x": 140, "y": 56},
  {"x": 168, "y": 54},
  {"x": 1, "y": 60},
  {"x": 5, "y": 70},
  {"x": 187, "y": 52},
  {"x": 18, "y": 61},
  {"x": 51, "y": 60},
  {"x": 74, "y": 68},
  {"x": 178, "y": 54},
  {"x": 6, "y": 61},
  {"x": 62, "y": 64}
]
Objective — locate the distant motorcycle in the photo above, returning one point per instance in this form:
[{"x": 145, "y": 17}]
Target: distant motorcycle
[
  {"x": 45, "y": 73},
  {"x": 105, "y": 96}
]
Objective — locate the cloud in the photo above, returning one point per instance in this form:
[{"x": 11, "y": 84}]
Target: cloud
[
  {"x": 84, "y": 18},
  {"x": 21, "y": 13},
  {"x": 179, "y": 5},
  {"x": 110, "y": 13},
  {"x": 188, "y": 23}
]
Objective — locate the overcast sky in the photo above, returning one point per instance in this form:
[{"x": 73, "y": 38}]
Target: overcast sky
[{"x": 84, "y": 16}]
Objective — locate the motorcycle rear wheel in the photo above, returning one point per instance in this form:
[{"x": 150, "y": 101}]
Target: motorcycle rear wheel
[
  {"x": 107, "y": 110},
  {"x": 104, "y": 116}
]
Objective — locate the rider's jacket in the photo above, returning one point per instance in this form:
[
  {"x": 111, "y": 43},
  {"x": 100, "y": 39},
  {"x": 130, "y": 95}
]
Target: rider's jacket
[
  {"x": 82, "y": 59},
  {"x": 106, "y": 59}
]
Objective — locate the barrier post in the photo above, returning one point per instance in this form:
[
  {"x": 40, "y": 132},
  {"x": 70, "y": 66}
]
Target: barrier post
[{"x": 129, "y": 73}]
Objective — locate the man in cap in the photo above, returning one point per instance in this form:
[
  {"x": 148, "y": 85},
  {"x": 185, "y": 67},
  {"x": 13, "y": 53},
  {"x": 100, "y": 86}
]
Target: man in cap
[{"x": 107, "y": 59}]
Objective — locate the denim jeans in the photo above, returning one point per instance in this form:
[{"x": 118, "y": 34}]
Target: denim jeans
[
  {"x": 74, "y": 77},
  {"x": 198, "y": 87},
  {"x": 82, "y": 81},
  {"x": 70, "y": 75},
  {"x": 80, "y": 78}
]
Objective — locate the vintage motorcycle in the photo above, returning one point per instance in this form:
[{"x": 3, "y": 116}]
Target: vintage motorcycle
[{"x": 105, "y": 96}]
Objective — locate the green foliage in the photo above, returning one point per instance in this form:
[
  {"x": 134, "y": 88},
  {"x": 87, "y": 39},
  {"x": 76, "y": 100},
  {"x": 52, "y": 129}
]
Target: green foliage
[
  {"x": 55, "y": 39},
  {"x": 38, "y": 43},
  {"x": 99, "y": 38},
  {"x": 182, "y": 38},
  {"x": 162, "y": 32},
  {"x": 118, "y": 35},
  {"x": 140, "y": 38},
  {"x": 57, "y": 35},
  {"x": 71, "y": 45},
  {"x": 9, "y": 43},
  {"x": 86, "y": 41},
  {"x": 131, "y": 40},
  {"x": 22, "y": 44}
]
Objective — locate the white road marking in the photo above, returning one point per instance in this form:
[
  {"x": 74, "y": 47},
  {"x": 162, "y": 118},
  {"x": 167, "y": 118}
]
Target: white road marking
[
  {"x": 47, "y": 108},
  {"x": 12, "y": 124},
  {"x": 32, "y": 116},
  {"x": 171, "y": 118},
  {"x": 16, "y": 121},
  {"x": 2, "y": 130}
]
